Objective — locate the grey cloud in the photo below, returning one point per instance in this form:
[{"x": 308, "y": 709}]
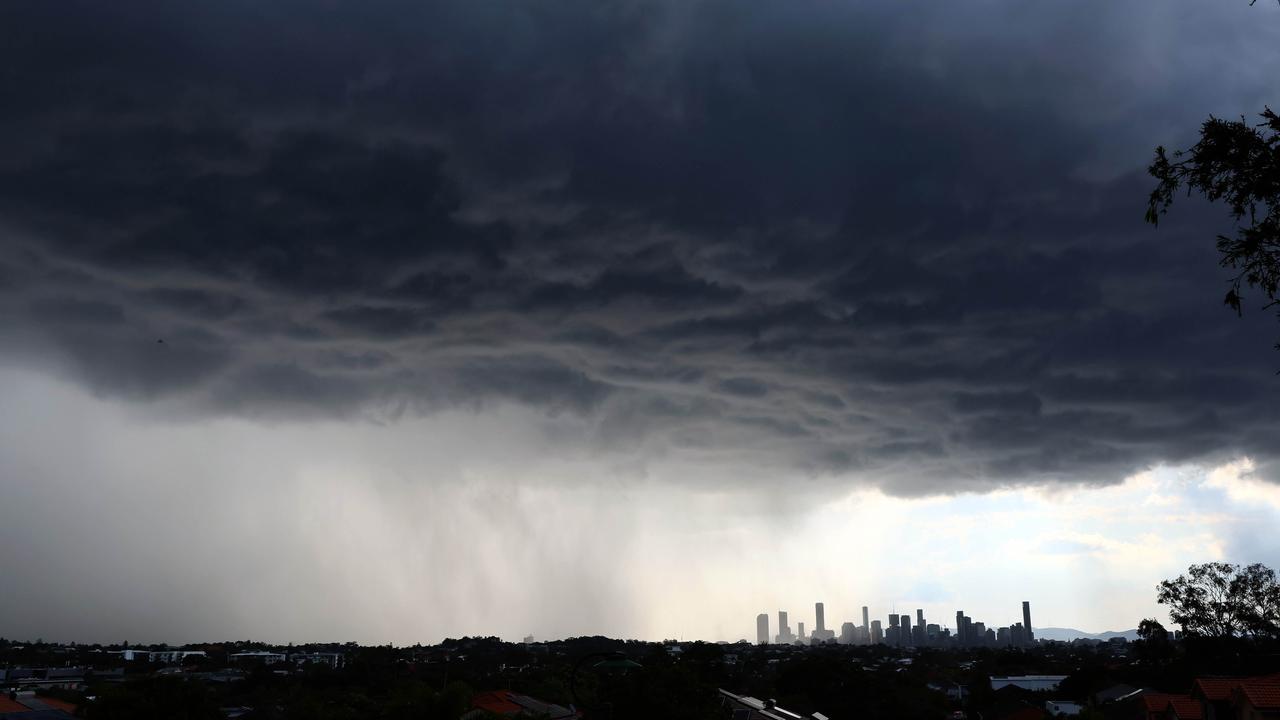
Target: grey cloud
[
  {"x": 826, "y": 239},
  {"x": 1011, "y": 402},
  {"x": 743, "y": 387}
]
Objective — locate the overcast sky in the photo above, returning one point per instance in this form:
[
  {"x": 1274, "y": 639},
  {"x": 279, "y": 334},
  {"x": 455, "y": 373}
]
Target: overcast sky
[{"x": 398, "y": 320}]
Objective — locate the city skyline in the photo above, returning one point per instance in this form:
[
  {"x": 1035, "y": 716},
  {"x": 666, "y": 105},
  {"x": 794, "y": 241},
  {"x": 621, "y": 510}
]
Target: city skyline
[{"x": 900, "y": 632}]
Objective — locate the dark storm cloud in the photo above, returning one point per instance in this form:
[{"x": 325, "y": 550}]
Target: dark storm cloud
[{"x": 870, "y": 239}]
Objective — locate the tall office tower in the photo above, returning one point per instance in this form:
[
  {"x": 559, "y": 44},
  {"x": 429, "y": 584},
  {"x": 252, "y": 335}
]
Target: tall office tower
[
  {"x": 846, "y": 633},
  {"x": 866, "y": 624},
  {"x": 877, "y": 634},
  {"x": 919, "y": 617},
  {"x": 784, "y": 631},
  {"x": 893, "y": 620},
  {"x": 820, "y": 626},
  {"x": 979, "y": 633},
  {"x": 1002, "y": 637},
  {"x": 1016, "y": 637},
  {"x": 960, "y": 627},
  {"x": 905, "y": 621},
  {"x": 989, "y": 639},
  {"x": 1026, "y": 621},
  {"x": 800, "y": 630},
  {"x": 762, "y": 629}
]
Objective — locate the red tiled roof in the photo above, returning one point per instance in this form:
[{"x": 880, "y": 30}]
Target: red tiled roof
[
  {"x": 1262, "y": 694},
  {"x": 1220, "y": 689},
  {"x": 1186, "y": 708},
  {"x": 56, "y": 704},
  {"x": 496, "y": 701},
  {"x": 1155, "y": 702},
  {"x": 1216, "y": 689}
]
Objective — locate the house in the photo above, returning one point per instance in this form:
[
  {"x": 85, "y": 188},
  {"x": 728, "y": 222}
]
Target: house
[
  {"x": 333, "y": 660},
  {"x": 29, "y": 706},
  {"x": 515, "y": 705},
  {"x": 1114, "y": 693},
  {"x": 1219, "y": 695},
  {"x": 1184, "y": 707},
  {"x": 1033, "y": 683},
  {"x": 743, "y": 707},
  {"x": 1257, "y": 700},
  {"x": 1155, "y": 704},
  {"x": 1219, "y": 698},
  {"x": 1063, "y": 708},
  {"x": 262, "y": 656}
]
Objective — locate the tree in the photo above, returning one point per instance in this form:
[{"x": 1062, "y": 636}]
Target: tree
[
  {"x": 1239, "y": 164},
  {"x": 1221, "y": 600},
  {"x": 1150, "y": 630},
  {"x": 1153, "y": 642}
]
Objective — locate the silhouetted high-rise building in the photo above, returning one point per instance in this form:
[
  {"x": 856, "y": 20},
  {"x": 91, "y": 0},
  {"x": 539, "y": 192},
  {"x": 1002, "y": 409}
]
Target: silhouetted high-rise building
[
  {"x": 866, "y": 623},
  {"x": 893, "y": 619},
  {"x": 762, "y": 629},
  {"x": 919, "y": 617},
  {"x": 847, "y": 632},
  {"x": 784, "y": 630},
  {"x": 800, "y": 630},
  {"x": 820, "y": 632},
  {"x": 905, "y": 629},
  {"x": 960, "y": 627},
  {"x": 1017, "y": 637},
  {"x": 1026, "y": 621},
  {"x": 877, "y": 634}
]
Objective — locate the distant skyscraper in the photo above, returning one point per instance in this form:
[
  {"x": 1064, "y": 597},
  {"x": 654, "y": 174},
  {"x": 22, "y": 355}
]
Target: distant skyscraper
[
  {"x": 846, "y": 633},
  {"x": 800, "y": 630},
  {"x": 960, "y": 627},
  {"x": 1026, "y": 621},
  {"x": 762, "y": 629},
  {"x": 784, "y": 630},
  {"x": 866, "y": 624},
  {"x": 919, "y": 617},
  {"x": 893, "y": 619},
  {"x": 906, "y": 629},
  {"x": 820, "y": 624},
  {"x": 877, "y": 633}
]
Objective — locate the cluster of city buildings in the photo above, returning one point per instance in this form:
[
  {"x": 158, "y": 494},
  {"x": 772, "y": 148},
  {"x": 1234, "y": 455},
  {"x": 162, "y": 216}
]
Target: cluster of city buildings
[{"x": 900, "y": 631}]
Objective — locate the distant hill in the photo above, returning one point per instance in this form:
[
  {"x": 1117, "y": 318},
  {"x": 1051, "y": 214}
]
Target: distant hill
[{"x": 1069, "y": 634}]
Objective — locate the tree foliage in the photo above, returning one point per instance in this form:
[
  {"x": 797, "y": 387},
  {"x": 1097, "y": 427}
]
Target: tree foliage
[
  {"x": 1237, "y": 163},
  {"x": 1221, "y": 600},
  {"x": 1150, "y": 630}
]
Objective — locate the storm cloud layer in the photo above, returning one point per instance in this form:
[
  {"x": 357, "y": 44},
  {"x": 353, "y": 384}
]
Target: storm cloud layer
[{"x": 893, "y": 244}]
